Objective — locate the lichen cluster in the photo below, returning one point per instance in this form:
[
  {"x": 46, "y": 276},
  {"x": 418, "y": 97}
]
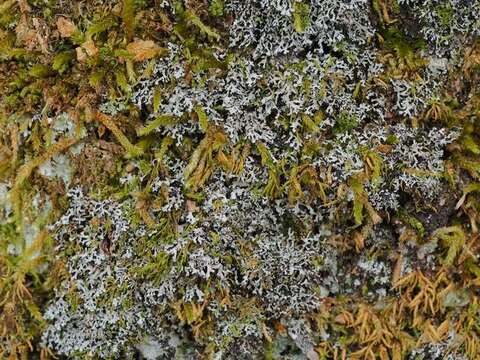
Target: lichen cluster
[{"x": 240, "y": 179}]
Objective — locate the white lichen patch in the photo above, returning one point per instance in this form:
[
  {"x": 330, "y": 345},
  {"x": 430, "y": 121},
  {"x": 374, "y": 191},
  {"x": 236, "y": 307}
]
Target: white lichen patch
[{"x": 57, "y": 167}]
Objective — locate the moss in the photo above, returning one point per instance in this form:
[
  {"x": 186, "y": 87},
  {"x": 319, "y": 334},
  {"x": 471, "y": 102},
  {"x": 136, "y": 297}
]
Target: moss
[
  {"x": 405, "y": 47},
  {"x": 445, "y": 14},
  {"x": 345, "y": 123},
  {"x": 453, "y": 238},
  {"x": 301, "y": 16},
  {"x": 128, "y": 17},
  {"x": 156, "y": 269},
  {"x": 392, "y": 139},
  {"x": 413, "y": 222},
  {"x": 216, "y": 7}
]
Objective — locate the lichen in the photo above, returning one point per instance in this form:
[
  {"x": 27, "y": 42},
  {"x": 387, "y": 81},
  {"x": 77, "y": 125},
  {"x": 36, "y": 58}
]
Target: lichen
[{"x": 232, "y": 179}]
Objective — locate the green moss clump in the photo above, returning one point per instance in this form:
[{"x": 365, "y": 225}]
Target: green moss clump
[{"x": 345, "y": 123}]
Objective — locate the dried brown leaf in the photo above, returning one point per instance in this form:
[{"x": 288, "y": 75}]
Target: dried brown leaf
[
  {"x": 65, "y": 27},
  {"x": 144, "y": 50},
  {"x": 25, "y": 34},
  {"x": 88, "y": 48}
]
